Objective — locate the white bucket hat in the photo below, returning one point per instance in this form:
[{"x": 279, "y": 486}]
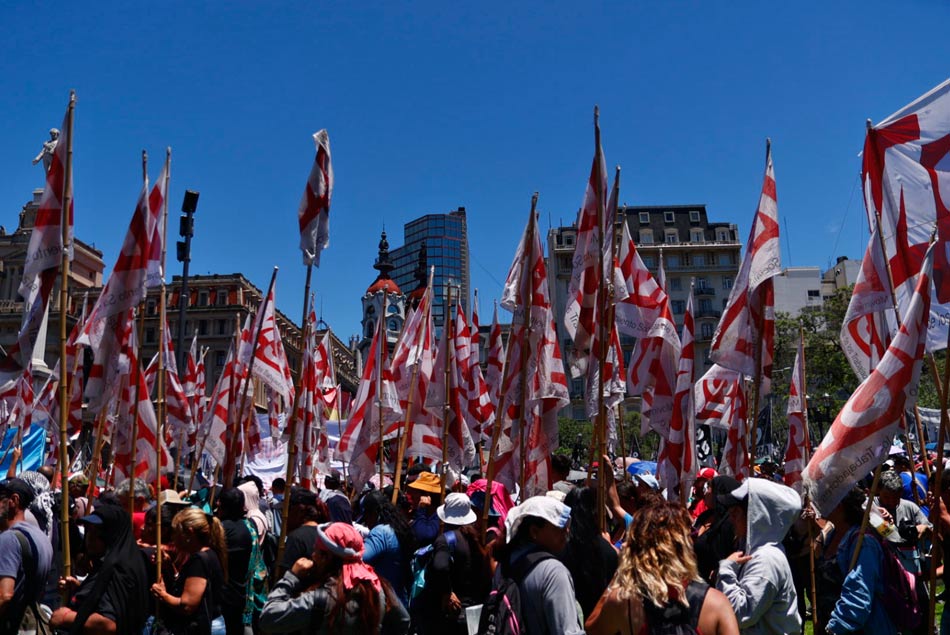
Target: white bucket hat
[{"x": 457, "y": 510}]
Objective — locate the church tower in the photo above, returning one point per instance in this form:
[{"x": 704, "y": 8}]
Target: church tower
[{"x": 383, "y": 300}]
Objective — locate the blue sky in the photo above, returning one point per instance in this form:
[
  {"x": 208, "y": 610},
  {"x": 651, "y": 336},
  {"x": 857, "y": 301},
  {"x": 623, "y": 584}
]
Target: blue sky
[{"x": 435, "y": 105}]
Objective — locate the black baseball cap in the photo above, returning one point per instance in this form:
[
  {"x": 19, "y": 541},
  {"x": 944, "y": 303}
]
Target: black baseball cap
[{"x": 19, "y": 487}]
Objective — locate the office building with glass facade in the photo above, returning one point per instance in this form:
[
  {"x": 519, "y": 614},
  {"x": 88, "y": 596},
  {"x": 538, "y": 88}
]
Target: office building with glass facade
[{"x": 445, "y": 240}]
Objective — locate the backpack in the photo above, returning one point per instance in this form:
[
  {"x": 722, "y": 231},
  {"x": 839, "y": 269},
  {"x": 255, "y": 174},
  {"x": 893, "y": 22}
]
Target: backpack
[
  {"x": 674, "y": 618},
  {"x": 501, "y": 612},
  {"x": 420, "y": 561},
  {"x": 30, "y": 617},
  {"x": 900, "y": 597}
]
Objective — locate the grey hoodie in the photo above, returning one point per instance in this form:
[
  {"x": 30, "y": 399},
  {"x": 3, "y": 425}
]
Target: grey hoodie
[{"x": 761, "y": 591}]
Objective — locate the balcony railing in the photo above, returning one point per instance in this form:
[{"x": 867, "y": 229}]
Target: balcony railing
[
  {"x": 704, "y": 291},
  {"x": 708, "y": 313}
]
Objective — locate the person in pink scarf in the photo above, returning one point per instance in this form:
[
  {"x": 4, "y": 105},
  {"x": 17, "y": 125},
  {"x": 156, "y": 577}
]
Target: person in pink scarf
[{"x": 334, "y": 591}]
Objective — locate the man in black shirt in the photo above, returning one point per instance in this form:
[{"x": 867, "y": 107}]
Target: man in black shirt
[{"x": 306, "y": 512}]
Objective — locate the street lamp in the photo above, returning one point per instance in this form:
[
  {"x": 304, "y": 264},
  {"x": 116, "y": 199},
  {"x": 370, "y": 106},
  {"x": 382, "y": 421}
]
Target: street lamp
[{"x": 186, "y": 228}]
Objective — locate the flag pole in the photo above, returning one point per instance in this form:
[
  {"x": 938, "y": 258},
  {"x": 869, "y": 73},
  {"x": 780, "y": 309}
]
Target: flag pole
[
  {"x": 229, "y": 477},
  {"x": 380, "y": 355},
  {"x": 96, "y": 462},
  {"x": 292, "y": 422},
  {"x": 138, "y": 369},
  {"x": 64, "y": 222},
  {"x": 528, "y": 295},
  {"x": 752, "y": 432},
  {"x": 162, "y": 351},
  {"x": 446, "y": 368},
  {"x": 807, "y": 502},
  {"x": 499, "y": 411},
  {"x": 404, "y": 438}
]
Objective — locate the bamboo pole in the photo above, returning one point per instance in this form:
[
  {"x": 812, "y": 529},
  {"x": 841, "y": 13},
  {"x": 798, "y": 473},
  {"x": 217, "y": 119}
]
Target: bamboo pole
[
  {"x": 380, "y": 356},
  {"x": 96, "y": 463},
  {"x": 404, "y": 437},
  {"x": 65, "y": 218},
  {"x": 499, "y": 410},
  {"x": 447, "y": 367},
  {"x": 162, "y": 410},
  {"x": 229, "y": 477},
  {"x": 528, "y": 294},
  {"x": 306, "y": 349}
]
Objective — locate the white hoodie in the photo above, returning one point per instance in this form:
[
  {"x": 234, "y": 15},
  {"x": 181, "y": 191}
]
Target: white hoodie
[{"x": 761, "y": 591}]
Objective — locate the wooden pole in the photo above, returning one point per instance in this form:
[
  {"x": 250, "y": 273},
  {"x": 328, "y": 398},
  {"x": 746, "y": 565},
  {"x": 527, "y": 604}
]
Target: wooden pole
[
  {"x": 65, "y": 218},
  {"x": 404, "y": 437},
  {"x": 162, "y": 411},
  {"x": 623, "y": 446},
  {"x": 527, "y": 293},
  {"x": 380, "y": 356},
  {"x": 937, "y": 485},
  {"x": 447, "y": 369},
  {"x": 96, "y": 462},
  {"x": 229, "y": 477},
  {"x": 306, "y": 349}
]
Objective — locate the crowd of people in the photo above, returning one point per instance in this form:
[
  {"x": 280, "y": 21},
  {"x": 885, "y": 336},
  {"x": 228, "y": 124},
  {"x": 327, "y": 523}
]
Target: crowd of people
[{"x": 725, "y": 557}]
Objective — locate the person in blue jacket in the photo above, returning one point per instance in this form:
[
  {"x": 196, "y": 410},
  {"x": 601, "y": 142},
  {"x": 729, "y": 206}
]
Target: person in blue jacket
[{"x": 858, "y": 608}]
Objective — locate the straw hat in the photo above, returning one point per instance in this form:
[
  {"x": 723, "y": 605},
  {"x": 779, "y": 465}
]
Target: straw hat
[
  {"x": 427, "y": 482},
  {"x": 457, "y": 510}
]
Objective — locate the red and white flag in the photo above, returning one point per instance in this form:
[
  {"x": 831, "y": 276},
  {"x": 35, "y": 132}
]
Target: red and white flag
[
  {"x": 864, "y": 330},
  {"x": 721, "y": 402},
  {"x": 313, "y": 215},
  {"x": 446, "y": 403},
  {"x": 125, "y": 289},
  {"x": 678, "y": 465},
  {"x": 545, "y": 389},
  {"x": 375, "y": 398},
  {"x": 413, "y": 367},
  {"x": 581, "y": 314},
  {"x": 270, "y": 363},
  {"x": 861, "y": 435},
  {"x": 797, "y": 450},
  {"x": 748, "y": 319},
  {"x": 645, "y": 314},
  {"x": 906, "y": 174},
  {"x": 45, "y": 250},
  {"x": 479, "y": 413},
  {"x": 177, "y": 403},
  {"x": 496, "y": 361},
  {"x": 218, "y": 416}
]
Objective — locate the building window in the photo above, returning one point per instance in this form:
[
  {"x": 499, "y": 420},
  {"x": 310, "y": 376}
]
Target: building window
[
  {"x": 705, "y": 305},
  {"x": 221, "y": 298},
  {"x": 814, "y": 293},
  {"x": 370, "y": 326},
  {"x": 701, "y": 283},
  {"x": 725, "y": 301},
  {"x": 698, "y": 260},
  {"x": 726, "y": 259},
  {"x": 150, "y": 308},
  {"x": 222, "y": 327},
  {"x": 671, "y": 237},
  {"x": 694, "y": 216},
  {"x": 202, "y": 298},
  {"x": 676, "y": 284},
  {"x": 673, "y": 261},
  {"x": 648, "y": 261},
  {"x": 668, "y": 217},
  {"x": 646, "y": 236},
  {"x": 202, "y": 327},
  {"x": 727, "y": 283},
  {"x": 150, "y": 334},
  {"x": 679, "y": 307},
  {"x": 569, "y": 240},
  {"x": 219, "y": 358},
  {"x": 696, "y": 236},
  {"x": 707, "y": 330},
  {"x": 393, "y": 326},
  {"x": 645, "y": 218},
  {"x": 722, "y": 235}
]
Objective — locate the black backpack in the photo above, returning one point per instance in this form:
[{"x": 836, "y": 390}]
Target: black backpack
[
  {"x": 501, "y": 612},
  {"x": 674, "y": 618}
]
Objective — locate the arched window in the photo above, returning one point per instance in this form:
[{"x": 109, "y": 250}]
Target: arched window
[{"x": 370, "y": 327}]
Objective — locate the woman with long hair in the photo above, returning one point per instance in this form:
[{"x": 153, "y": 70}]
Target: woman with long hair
[
  {"x": 334, "y": 591},
  {"x": 658, "y": 580},
  {"x": 390, "y": 543},
  {"x": 193, "y": 600},
  {"x": 114, "y": 596},
  {"x": 590, "y": 558}
]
